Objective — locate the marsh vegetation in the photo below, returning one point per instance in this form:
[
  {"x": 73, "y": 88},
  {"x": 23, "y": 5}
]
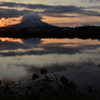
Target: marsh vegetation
[{"x": 47, "y": 86}]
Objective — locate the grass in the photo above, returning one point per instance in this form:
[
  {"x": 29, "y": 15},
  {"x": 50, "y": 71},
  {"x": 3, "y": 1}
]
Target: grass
[{"x": 47, "y": 86}]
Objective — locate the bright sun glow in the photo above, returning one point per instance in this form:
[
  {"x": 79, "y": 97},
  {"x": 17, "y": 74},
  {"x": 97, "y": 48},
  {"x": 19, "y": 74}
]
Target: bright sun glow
[
  {"x": 9, "y": 21},
  {"x": 11, "y": 40},
  {"x": 3, "y": 19},
  {"x": 1, "y": 22}
]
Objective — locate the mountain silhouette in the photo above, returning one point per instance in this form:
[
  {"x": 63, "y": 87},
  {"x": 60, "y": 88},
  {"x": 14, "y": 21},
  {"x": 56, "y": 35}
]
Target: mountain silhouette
[{"x": 30, "y": 23}]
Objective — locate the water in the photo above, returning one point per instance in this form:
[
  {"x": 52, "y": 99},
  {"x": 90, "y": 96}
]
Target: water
[{"x": 75, "y": 58}]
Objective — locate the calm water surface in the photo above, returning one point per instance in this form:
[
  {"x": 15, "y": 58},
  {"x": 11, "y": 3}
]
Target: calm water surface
[{"x": 76, "y": 58}]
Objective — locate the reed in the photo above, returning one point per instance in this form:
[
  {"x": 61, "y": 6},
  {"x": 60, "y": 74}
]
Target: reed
[{"x": 47, "y": 86}]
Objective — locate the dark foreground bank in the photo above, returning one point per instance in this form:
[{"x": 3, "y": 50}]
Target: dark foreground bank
[
  {"x": 47, "y": 86},
  {"x": 50, "y": 34}
]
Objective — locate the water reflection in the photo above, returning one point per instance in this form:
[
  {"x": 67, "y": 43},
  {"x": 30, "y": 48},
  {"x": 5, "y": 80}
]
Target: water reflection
[
  {"x": 10, "y": 40},
  {"x": 71, "y": 57}
]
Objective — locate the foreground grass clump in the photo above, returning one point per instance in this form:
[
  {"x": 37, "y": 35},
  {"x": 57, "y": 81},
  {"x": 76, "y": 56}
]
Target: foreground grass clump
[{"x": 46, "y": 87}]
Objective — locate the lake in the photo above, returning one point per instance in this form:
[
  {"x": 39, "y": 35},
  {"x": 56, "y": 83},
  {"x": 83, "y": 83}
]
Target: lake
[{"x": 77, "y": 59}]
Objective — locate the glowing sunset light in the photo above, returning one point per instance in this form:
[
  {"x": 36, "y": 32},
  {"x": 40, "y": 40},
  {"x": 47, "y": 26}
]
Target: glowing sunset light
[
  {"x": 11, "y": 40},
  {"x": 68, "y": 20},
  {"x": 75, "y": 40},
  {"x": 1, "y": 22},
  {"x": 9, "y": 21},
  {"x": 59, "y": 13},
  {"x": 3, "y": 19}
]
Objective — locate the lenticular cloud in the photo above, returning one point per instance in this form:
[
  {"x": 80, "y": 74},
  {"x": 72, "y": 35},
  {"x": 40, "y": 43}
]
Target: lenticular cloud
[{"x": 31, "y": 17}]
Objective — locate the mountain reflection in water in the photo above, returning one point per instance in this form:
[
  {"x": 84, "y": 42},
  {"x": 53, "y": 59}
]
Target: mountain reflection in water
[{"x": 76, "y": 58}]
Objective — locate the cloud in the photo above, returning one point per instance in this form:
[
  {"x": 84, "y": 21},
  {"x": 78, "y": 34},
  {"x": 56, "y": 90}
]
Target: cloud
[
  {"x": 31, "y": 16},
  {"x": 47, "y": 10},
  {"x": 40, "y": 6},
  {"x": 90, "y": 13},
  {"x": 93, "y": 7},
  {"x": 9, "y": 13},
  {"x": 91, "y": 1},
  {"x": 30, "y": 6},
  {"x": 69, "y": 10},
  {"x": 94, "y": 1}
]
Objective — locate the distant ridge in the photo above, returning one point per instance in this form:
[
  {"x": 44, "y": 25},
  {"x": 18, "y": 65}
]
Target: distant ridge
[{"x": 30, "y": 23}]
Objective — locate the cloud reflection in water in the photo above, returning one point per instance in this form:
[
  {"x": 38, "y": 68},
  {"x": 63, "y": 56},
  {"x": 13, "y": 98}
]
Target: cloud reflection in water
[{"x": 71, "y": 56}]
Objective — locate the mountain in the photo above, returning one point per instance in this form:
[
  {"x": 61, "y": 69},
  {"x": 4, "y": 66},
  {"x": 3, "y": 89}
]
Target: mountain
[{"x": 30, "y": 23}]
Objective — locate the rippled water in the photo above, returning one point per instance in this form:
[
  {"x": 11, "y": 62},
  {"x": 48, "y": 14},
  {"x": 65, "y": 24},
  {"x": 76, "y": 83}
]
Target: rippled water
[{"x": 76, "y": 58}]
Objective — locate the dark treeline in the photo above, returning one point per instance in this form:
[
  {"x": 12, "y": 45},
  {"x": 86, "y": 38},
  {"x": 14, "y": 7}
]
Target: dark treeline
[
  {"x": 50, "y": 34},
  {"x": 78, "y": 32}
]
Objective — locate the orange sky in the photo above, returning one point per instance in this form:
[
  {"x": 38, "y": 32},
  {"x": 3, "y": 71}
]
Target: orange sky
[
  {"x": 73, "y": 20},
  {"x": 56, "y": 12},
  {"x": 52, "y": 20},
  {"x": 9, "y": 21}
]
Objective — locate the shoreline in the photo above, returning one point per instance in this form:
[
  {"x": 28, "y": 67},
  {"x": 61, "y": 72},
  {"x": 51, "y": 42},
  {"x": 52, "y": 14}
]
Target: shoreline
[{"x": 49, "y": 34}]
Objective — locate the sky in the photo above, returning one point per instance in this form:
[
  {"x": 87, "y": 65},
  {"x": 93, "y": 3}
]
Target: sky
[{"x": 63, "y": 13}]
